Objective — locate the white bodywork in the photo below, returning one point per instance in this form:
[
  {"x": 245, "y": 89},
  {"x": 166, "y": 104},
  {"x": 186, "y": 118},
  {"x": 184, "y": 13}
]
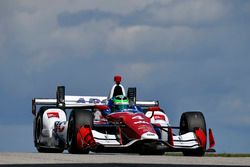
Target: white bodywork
[
  {"x": 161, "y": 119},
  {"x": 105, "y": 139},
  {"x": 75, "y": 101},
  {"x": 187, "y": 140},
  {"x": 150, "y": 136},
  {"x": 82, "y": 101},
  {"x": 54, "y": 127}
]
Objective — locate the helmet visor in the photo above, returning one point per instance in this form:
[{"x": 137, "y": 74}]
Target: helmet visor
[{"x": 121, "y": 107}]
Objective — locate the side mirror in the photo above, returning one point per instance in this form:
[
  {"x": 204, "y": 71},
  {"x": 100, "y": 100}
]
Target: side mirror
[
  {"x": 132, "y": 96},
  {"x": 34, "y": 107},
  {"x": 60, "y": 97}
]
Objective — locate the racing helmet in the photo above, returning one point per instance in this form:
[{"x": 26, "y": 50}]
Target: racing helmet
[{"x": 120, "y": 102}]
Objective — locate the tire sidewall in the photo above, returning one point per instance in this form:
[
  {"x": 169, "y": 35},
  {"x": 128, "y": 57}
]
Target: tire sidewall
[
  {"x": 38, "y": 127},
  {"x": 77, "y": 119},
  {"x": 191, "y": 120},
  {"x": 188, "y": 123}
]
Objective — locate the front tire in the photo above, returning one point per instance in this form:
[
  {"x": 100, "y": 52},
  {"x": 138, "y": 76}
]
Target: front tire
[
  {"x": 188, "y": 123},
  {"x": 77, "y": 119}
]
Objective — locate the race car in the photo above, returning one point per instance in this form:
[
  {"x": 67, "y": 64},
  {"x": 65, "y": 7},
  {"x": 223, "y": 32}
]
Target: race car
[{"x": 116, "y": 123}]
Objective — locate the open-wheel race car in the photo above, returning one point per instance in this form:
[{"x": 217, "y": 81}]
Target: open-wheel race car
[{"x": 116, "y": 123}]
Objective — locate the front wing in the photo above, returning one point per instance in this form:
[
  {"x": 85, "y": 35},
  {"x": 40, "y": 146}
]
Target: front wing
[{"x": 173, "y": 142}]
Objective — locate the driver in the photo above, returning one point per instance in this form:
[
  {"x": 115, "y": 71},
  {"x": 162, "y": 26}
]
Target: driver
[{"x": 119, "y": 103}]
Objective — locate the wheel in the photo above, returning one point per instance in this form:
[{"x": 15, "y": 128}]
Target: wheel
[
  {"x": 188, "y": 123},
  {"x": 38, "y": 133},
  {"x": 77, "y": 118}
]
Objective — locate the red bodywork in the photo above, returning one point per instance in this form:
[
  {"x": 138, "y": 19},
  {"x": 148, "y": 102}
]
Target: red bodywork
[
  {"x": 136, "y": 123},
  {"x": 85, "y": 137},
  {"x": 201, "y": 136},
  {"x": 211, "y": 140}
]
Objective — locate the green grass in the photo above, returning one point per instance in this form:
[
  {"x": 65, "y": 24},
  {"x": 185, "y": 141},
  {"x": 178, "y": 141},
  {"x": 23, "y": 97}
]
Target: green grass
[
  {"x": 227, "y": 155},
  {"x": 211, "y": 154}
]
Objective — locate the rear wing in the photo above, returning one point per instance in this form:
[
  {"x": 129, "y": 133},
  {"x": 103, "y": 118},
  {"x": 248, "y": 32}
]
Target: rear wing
[{"x": 66, "y": 102}]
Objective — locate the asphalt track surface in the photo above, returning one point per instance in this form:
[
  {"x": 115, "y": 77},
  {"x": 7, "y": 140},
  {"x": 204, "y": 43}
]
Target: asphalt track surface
[{"x": 114, "y": 160}]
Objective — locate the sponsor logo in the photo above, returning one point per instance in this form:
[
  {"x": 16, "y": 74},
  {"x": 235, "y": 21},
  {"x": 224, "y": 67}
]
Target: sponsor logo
[
  {"x": 60, "y": 126},
  {"x": 81, "y": 100},
  {"x": 159, "y": 117},
  {"x": 95, "y": 101},
  {"x": 53, "y": 114},
  {"x": 150, "y": 134},
  {"x": 141, "y": 122},
  {"x": 143, "y": 128},
  {"x": 138, "y": 117},
  {"x": 91, "y": 100}
]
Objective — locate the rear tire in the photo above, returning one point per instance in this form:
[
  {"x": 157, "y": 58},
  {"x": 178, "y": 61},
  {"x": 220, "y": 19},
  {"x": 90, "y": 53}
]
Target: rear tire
[
  {"x": 78, "y": 118},
  {"x": 188, "y": 123},
  {"x": 38, "y": 133}
]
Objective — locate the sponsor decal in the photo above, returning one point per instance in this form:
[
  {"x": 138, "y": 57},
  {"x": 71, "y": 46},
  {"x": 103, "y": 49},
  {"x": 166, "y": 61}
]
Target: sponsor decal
[
  {"x": 159, "y": 117},
  {"x": 95, "y": 101},
  {"x": 60, "y": 126},
  {"x": 143, "y": 127},
  {"x": 81, "y": 100},
  {"x": 141, "y": 122},
  {"x": 91, "y": 100},
  {"x": 138, "y": 117},
  {"x": 150, "y": 134},
  {"x": 53, "y": 114}
]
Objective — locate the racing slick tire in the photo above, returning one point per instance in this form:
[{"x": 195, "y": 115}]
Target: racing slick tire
[
  {"x": 78, "y": 118},
  {"x": 188, "y": 123},
  {"x": 38, "y": 133}
]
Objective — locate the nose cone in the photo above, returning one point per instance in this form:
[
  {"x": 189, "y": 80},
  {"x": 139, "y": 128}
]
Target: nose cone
[{"x": 149, "y": 135}]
